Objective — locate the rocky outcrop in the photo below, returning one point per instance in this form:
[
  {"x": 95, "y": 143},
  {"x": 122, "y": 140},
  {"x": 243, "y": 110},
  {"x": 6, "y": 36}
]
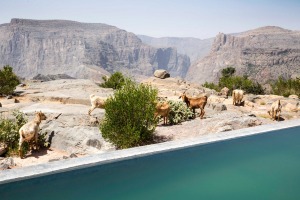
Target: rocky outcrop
[
  {"x": 81, "y": 50},
  {"x": 193, "y": 47},
  {"x": 51, "y": 77},
  {"x": 262, "y": 54}
]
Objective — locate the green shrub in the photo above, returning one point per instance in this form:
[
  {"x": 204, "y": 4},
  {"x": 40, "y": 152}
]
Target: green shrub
[
  {"x": 129, "y": 115},
  {"x": 235, "y": 82},
  {"x": 227, "y": 72},
  {"x": 9, "y": 134},
  {"x": 115, "y": 81},
  {"x": 8, "y": 80},
  {"x": 286, "y": 87},
  {"x": 179, "y": 112},
  {"x": 9, "y": 131},
  {"x": 212, "y": 86}
]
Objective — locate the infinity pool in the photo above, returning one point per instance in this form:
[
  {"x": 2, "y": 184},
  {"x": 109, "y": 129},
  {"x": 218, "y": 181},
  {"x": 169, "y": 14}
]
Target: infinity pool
[{"x": 265, "y": 166}]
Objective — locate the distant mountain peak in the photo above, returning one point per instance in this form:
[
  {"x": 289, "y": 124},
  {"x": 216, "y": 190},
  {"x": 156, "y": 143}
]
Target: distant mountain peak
[{"x": 265, "y": 30}]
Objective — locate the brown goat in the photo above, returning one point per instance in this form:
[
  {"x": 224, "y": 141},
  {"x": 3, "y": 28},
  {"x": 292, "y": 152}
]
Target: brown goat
[
  {"x": 194, "y": 103},
  {"x": 275, "y": 110},
  {"x": 163, "y": 110}
]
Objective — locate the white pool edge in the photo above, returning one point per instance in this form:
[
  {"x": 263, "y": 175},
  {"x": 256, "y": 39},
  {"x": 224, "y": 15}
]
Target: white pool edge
[{"x": 12, "y": 175}]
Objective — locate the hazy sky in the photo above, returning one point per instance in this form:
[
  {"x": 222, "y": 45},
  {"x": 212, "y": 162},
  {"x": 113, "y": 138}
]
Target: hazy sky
[{"x": 158, "y": 18}]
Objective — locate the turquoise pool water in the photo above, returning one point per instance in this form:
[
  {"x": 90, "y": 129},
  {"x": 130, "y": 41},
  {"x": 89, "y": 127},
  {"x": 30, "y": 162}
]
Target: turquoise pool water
[{"x": 265, "y": 166}]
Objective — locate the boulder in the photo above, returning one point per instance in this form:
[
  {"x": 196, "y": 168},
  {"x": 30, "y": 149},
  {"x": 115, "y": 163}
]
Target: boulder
[
  {"x": 6, "y": 163},
  {"x": 0, "y": 104},
  {"x": 293, "y": 96},
  {"x": 289, "y": 107},
  {"x": 249, "y": 103},
  {"x": 219, "y": 107},
  {"x": 161, "y": 73}
]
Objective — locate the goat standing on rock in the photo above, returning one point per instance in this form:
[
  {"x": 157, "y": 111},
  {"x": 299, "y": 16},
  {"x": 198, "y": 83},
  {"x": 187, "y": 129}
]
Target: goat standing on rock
[
  {"x": 30, "y": 131},
  {"x": 194, "y": 103},
  {"x": 97, "y": 102}
]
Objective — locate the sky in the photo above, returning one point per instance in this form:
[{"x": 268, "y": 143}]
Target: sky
[{"x": 163, "y": 18}]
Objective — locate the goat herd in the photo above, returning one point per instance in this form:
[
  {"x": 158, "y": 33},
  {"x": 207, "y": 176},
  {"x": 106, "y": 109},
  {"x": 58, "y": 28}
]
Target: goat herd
[{"x": 29, "y": 131}]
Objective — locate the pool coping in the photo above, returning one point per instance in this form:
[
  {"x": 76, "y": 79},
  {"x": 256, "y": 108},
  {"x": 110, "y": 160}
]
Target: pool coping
[{"x": 12, "y": 175}]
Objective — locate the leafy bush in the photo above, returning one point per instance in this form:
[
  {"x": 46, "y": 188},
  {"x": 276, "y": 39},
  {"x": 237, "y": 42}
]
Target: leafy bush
[
  {"x": 9, "y": 134},
  {"x": 228, "y": 72},
  {"x": 212, "y": 86},
  {"x": 179, "y": 112},
  {"x": 9, "y": 131},
  {"x": 116, "y": 81},
  {"x": 8, "y": 80},
  {"x": 235, "y": 82},
  {"x": 129, "y": 115},
  {"x": 286, "y": 87}
]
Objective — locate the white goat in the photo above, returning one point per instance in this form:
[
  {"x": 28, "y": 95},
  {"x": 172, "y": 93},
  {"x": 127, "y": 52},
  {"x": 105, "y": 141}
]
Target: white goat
[
  {"x": 97, "y": 102},
  {"x": 30, "y": 131},
  {"x": 275, "y": 110},
  {"x": 237, "y": 97}
]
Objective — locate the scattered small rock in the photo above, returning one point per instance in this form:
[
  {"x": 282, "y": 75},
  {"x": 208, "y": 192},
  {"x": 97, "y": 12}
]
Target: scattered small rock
[
  {"x": 55, "y": 159},
  {"x": 9, "y": 97},
  {"x": 219, "y": 107},
  {"x": 249, "y": 103},
  {"x": 73, "y": 155},
  {"x": 6, "y": 163},
  {"x": 94, "y": 143}
]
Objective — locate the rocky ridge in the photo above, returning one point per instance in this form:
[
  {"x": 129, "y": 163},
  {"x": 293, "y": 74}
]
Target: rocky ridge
[
  {"x": 195, "y": 48},
  {"x": 262, "y": 54},
  {"x": 81, "y": 50}
]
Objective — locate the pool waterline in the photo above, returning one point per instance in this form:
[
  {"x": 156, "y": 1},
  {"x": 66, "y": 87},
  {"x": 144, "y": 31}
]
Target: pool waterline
[{"x": 29, "y": 172}]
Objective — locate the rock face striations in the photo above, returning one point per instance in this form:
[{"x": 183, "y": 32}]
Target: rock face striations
[
  {"x": 193, "y": 47},
  {"x": 262, "y": 54},
  {"x": 81, "y": 50}
]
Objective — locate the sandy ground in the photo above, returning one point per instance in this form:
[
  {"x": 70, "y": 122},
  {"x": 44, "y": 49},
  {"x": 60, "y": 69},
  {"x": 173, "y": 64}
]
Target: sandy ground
[{"x": 43, "y": 156}]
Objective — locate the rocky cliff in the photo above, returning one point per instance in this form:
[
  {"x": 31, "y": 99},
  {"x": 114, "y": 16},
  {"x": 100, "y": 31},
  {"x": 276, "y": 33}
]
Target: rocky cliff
[
  {"x": 193, "y": 47},
  {"x": 262, "y": 54},
  {"x": 81, "y": 50}
]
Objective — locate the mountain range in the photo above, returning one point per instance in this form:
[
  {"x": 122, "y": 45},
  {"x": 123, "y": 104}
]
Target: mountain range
[
  {"x": 92, "y": 50},
  {"x": 81, "y": 50},
  {"x": 262, "y": 54}
]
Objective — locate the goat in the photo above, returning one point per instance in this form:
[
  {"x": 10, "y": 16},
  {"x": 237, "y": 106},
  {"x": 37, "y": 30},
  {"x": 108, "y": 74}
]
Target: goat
[
  {"x": 97, "y": 102},
  {"x": 163, "y": 110},
  {"x": 224, "y": 92},
  {"x": 194, "y": 103},
  {"x": 30, "y": 131},
  {"x": 237, "y": 97},
  {"x": 275, "y": 110}
]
